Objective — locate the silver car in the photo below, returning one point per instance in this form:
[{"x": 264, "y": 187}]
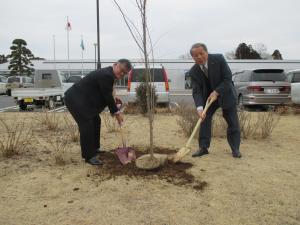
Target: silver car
[
  {"x": 262, "y": 87},
  {"x": 18, "y": 82},
  {"x": 3, "y": 84}
]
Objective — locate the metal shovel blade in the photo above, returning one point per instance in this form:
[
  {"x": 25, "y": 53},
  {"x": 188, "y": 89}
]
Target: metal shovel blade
[{"x": 126, "y": 155}]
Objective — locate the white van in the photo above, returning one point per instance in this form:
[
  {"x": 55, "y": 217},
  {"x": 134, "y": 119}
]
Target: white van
[{"x": 158, "y": 76}]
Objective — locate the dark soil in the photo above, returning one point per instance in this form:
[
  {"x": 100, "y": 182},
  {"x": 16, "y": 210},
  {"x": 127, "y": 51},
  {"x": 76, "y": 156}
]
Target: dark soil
[{"x": 174, "y": 173}]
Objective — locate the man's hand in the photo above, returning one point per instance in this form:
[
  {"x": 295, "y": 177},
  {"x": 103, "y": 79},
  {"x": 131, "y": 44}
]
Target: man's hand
[
  {"x": 119, "y": 117},
  {"x": 201, "y": 114},
  {"x": 119, "y": 103},
  {"x": 214, "y": 95}
]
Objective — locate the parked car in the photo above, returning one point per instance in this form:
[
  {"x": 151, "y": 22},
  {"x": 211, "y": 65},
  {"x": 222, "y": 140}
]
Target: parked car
[
  {"x": 159, "y": 78},
  {"x": 3, "y": 84},
  {"x": 294, "y": 78},
  {"x": 262, "y": 87},
  {"x": 18, "y": 82}
]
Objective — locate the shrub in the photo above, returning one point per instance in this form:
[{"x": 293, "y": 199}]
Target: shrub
[
  {"x": 188, "y": 118},
  {"x": 72, "y": 128},
  {"x": 247, "y": 125},
  {"x": 50, "y": 120},
  {"x": 267, "y": 122},
  {"x": 59, "y": 146},
  {"x": 141, "y": 96},
  {"x": 254, "y": 125},
  {"x": 110, "y": 122},
  {"x": 16, "y": 136}
]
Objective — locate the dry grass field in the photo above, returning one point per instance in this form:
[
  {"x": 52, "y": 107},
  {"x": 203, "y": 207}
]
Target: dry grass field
[{"x": 44, "y": 181}]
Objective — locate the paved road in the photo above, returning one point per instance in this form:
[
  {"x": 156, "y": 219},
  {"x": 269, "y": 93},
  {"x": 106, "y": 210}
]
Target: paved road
[{"x": 7, "y": 103}]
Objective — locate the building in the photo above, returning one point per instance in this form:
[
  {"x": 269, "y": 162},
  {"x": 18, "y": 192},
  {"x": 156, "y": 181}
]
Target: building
[{"x": 177, "y": 69}]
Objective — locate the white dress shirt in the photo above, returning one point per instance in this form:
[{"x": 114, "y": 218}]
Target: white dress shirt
[{"x": 200, "y": 108}]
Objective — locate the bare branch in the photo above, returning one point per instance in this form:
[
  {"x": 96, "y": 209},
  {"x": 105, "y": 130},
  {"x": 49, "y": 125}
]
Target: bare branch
[
  {"x": 135, "y": 28},
  {"x": 128, "y": 26}
]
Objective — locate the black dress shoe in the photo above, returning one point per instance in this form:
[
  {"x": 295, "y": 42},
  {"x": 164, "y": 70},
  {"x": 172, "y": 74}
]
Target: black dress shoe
[
  {"x": 94, "y": 161},
  {"x": 236, "y": 154},
  {"x": 200, "y": 152},
  {"x": 99, "y": 151}
]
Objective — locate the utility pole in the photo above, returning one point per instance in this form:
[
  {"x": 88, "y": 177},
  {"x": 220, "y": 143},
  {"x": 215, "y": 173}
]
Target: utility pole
[{"x": 98, "y": 36}]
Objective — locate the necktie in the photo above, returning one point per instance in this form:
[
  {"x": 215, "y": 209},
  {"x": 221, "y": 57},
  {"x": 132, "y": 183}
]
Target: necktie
[{"x": 204, "y": 69}]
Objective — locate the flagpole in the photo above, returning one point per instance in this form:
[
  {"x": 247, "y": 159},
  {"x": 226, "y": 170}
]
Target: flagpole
[
  {"x": 54, "y": 52},
  {"x": 82, "y": 56},
  {"x": 68, "y": 30}
]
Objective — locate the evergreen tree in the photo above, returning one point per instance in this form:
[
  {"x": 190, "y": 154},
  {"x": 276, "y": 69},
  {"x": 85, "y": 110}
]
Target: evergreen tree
[
  {"x": 277, "y": 55},
  {"x": 20, "y": 57},
  {"x": 245, "y": 51}
]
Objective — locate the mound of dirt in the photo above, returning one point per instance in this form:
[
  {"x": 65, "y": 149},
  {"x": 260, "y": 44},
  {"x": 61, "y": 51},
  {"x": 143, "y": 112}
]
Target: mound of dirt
[{"x": 174, "y": 173}]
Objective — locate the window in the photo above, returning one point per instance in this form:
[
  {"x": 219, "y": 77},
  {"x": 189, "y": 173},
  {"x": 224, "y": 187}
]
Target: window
[
  {"x": 236, "y": 78},
  {"x": 296, "y": 78},
  {"x": 28, "y": 80},
  {"x": 138, "y": 75},
  {"x": 122, "y": 82},
  {"x": 289, "y": 77},
  {"x": 13, "y": 79},
  {"x": 46, "y": 76},
  {"x": 188, "y": 80},
  {"x": 74, "y": 79},
  {"x": 245, "y": 76},
  {"x": 63, "y": 79},
  {"x": 268, "y": 75}
]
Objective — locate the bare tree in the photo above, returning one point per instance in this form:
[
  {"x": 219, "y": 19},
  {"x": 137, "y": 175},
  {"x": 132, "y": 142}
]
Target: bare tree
[
  {"x": 262, "y": 50},
  {"x": 230, "y": 55},
  {"x": 141, "y": 39}
]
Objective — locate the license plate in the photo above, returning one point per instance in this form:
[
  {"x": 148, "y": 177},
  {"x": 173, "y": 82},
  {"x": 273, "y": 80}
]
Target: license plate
[
  {"x": 28, "y": 100},
  {"x": 272, "y": 91}
]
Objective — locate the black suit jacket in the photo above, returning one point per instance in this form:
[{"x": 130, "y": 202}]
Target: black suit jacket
[
  {"x": 92, "y": 94},
  {"x": 220, "y": 79}
]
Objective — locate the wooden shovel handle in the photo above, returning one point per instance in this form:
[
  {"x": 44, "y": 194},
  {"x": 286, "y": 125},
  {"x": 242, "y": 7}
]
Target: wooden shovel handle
[
  {"x": 207, "y": 105},
  {"x": 122, "y": 136}
]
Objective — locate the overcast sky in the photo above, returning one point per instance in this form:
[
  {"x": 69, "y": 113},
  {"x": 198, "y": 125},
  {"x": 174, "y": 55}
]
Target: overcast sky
[{"x": 174, "y": 26}]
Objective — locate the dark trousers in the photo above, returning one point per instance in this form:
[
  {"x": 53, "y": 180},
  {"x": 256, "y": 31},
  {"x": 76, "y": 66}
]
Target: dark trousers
[
  {"x": 233, "y": 130},
  {"x": 89, "y": 130}
]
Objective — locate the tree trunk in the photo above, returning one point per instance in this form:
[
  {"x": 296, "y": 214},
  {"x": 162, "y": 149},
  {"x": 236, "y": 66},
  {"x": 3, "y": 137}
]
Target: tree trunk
[{"x": 149, "y": 85}]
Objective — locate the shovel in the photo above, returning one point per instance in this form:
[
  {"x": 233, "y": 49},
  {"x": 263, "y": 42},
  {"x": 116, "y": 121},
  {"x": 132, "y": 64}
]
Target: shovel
[
  {"x": 125, "y": 154},
  {"x": 186, "y": 149}
]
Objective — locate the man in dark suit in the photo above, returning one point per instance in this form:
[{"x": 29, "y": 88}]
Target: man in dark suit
[
  {"x": 211, "y": 78},
  {"x": 87, "y": 98}
]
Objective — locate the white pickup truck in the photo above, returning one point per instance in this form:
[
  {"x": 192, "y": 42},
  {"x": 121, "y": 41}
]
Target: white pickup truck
[
  {"x": 49, "y": 88},
  {"x": 294, "y": 78}
]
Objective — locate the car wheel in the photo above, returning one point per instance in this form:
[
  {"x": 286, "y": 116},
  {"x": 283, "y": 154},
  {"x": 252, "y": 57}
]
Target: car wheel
[
  {"x": 63, "y": 101},
  {"x": 23, "y": 106},
  {"x": 240, "y": 103}
]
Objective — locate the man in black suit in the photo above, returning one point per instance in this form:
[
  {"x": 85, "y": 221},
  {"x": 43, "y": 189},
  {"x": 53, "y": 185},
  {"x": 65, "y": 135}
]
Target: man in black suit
[
  {"x": 87, "y": 98},
  {"x": 211, "y": 78}
]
